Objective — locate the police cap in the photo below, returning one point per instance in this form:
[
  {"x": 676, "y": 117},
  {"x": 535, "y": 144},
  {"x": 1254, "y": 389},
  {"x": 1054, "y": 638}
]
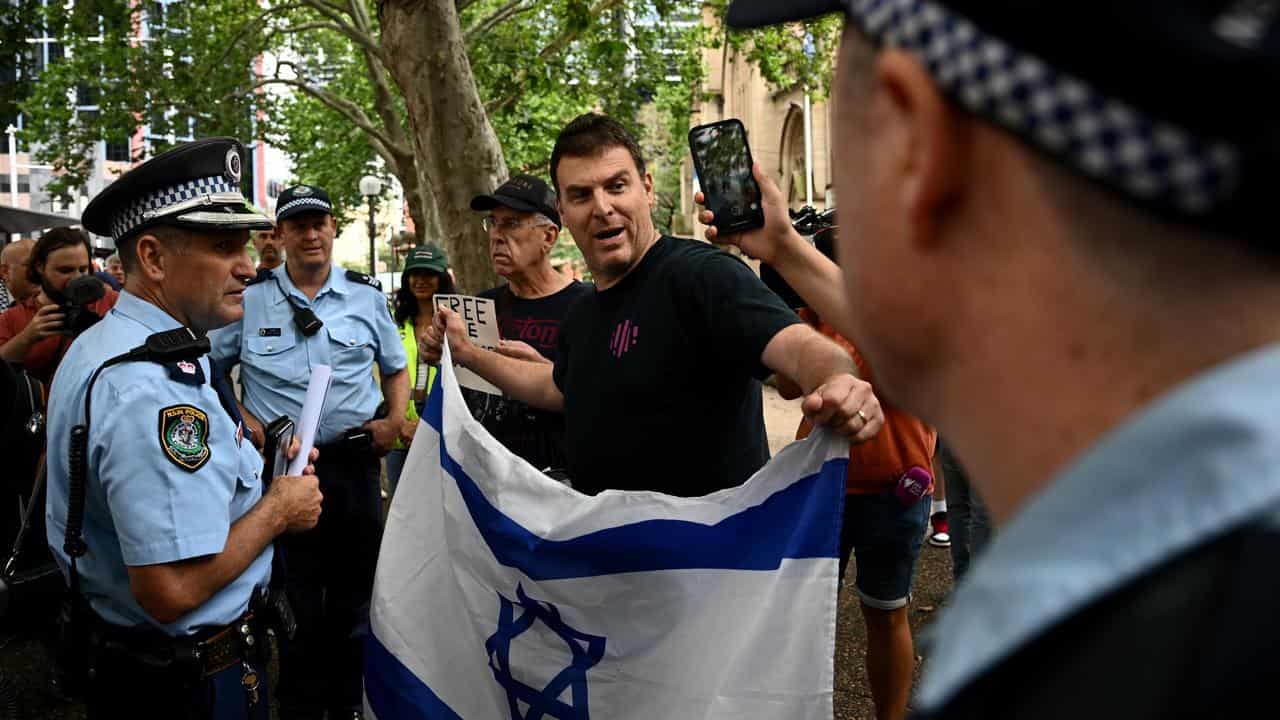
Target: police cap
[
  {"x": 302, "y": 198},
  {"x": 1169, "y": 102},
  {"x": 195, "y": 185}
]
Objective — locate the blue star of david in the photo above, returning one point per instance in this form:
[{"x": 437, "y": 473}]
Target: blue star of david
[{"x": 586, "y": 650}]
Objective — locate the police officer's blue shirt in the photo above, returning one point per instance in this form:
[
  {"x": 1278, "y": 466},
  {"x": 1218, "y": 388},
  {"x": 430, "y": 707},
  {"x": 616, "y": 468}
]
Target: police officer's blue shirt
[
  {"x": 276, "y": 358},
  {"x": 168, "y": 470},
  {"x": 1199, "y": 462}
]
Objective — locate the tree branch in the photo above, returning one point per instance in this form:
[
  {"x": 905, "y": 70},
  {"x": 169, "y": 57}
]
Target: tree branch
[
  {"x": 385, "y": 146},
  {"x": 360, "y": 14},
  {"x": 338, "y": 17},
  {"x": 511, "y": 9},
  {"x": 255, "y": 22},
  {"x": 383, "y": 97},
  {"x": 303, "y": 27},
  {"x": 461, "y": 5},
  {"x": 553, "y": 48}
]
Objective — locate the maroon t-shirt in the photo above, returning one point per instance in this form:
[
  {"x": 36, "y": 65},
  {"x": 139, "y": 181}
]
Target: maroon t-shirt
[{"x": 43, "y": 357}]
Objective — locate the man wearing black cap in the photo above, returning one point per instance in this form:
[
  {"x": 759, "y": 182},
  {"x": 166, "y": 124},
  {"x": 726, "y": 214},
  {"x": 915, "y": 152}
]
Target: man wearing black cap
[
  {"x": 1058, "y": 243},
  {"x": 304, "y": 313},
  {"x": 158, "y": 516},
  {"x": 523, "y": 225}
]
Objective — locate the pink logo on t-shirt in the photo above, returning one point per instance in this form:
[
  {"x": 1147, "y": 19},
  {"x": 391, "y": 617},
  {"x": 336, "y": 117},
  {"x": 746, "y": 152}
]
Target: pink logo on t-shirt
[{"x": 624, "y": 338}]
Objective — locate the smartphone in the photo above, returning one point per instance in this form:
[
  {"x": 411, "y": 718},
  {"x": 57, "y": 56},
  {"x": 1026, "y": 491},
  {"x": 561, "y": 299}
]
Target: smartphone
[
  {"x": 275, "y": 451},
  {"x": 722, "y": 161}
]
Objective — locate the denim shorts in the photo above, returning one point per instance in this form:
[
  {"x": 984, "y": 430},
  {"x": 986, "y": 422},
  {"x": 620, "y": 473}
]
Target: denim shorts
[{"x": 885, "y": 538}]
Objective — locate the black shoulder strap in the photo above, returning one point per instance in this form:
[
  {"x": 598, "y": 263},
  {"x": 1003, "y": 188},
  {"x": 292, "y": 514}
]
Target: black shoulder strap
[
  {"x": 262, "y": 276},
  {"x": 358, "y": 277}
]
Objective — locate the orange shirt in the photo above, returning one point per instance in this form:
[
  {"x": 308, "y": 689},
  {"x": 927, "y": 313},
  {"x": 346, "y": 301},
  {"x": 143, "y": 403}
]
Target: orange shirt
[
  {"x": 43, "y": 357},
  {"x": 904, "y": 441}
]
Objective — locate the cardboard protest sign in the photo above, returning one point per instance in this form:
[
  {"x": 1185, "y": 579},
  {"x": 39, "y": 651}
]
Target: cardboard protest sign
[{"x": 480, "y": 321}]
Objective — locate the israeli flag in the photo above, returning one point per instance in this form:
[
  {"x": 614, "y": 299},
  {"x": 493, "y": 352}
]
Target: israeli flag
[{"x": 501, "y": 593}]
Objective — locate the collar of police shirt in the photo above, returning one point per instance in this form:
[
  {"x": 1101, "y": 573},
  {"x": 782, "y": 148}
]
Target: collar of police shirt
[
  {"x": 336, "y": 282},
  {"x": 1104, "y": 520}
]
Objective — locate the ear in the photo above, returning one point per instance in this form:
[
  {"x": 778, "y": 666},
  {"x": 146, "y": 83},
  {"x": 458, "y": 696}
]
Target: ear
[
  {"x": 927, "y": 137},
  {"x": 152, "y": 255},
  {"x": 648, "y": 190}
]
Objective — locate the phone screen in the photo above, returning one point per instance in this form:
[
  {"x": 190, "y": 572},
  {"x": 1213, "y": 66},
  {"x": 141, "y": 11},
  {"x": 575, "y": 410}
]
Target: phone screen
[
  {"x": 723, "y": 162},
  {"x": 281, "y": 462}
]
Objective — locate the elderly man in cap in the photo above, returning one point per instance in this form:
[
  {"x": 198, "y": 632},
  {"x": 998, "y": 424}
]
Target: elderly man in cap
[
  {"x": 304, "y": 313},
  {"x": 1058, "y": 241},
  {"x": 523, "y": 225},
  {"x": 157, "y": 511}
]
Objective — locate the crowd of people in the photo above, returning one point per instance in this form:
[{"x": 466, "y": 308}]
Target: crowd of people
[{"x": 1081, "y": 303}]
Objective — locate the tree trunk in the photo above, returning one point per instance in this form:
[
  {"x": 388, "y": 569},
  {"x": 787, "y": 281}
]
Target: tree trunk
[
  {"x": 458, "y": 154},
  {"x": 422, "y": 208}
]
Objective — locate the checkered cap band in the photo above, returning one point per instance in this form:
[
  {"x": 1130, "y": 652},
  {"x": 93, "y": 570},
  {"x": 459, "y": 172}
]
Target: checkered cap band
[
  {"x": 158, "y": 201},
  {"x": 1107, "y": 139},
  {"x": 317, "y": 202}
]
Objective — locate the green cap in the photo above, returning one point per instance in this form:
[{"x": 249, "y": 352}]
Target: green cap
[{"x": 427, "y": 256}]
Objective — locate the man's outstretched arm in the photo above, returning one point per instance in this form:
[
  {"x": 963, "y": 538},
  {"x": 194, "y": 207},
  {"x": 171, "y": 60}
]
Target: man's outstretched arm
[{"x": 529, "y": 382}]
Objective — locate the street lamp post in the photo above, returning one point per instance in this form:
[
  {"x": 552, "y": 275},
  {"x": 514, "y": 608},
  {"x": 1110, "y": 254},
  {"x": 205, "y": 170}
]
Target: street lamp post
[
  {"x": 371, "y": 187},
  {"x": 12, "y": 132}
]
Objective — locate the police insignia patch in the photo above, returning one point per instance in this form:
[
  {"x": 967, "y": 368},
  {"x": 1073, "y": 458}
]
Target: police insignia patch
[
  {"x": 232, "y": 166},
  {"x": 184, "y": 436}
]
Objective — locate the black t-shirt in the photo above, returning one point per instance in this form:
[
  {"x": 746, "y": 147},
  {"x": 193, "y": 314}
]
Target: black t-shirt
[
  {"x": 536, "y": 322},
  {"x": 660, "y": 374},
  {"x": 535, "y": 435}
]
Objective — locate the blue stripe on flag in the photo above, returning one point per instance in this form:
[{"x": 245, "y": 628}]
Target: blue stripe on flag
[
  {"x": 395, "y": 692},
  {"x": 753, "y": 539}
]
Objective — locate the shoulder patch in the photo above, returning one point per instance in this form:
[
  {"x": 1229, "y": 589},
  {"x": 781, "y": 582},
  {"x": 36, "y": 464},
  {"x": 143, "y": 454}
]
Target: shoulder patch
[
  {"x": 185, "y": 372},
  {"x": 262, "y": 276},
  {"x": 184, "y": 436},
  {"x": 359, "y": 277}
]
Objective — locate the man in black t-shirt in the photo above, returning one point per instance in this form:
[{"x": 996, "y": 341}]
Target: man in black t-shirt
[
  {"x": 523, "y": 226},
  {"x": 658, "y": 371}
]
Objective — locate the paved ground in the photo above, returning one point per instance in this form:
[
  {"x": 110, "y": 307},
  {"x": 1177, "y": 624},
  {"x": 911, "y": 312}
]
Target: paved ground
[{"x": 23, "y": 660}]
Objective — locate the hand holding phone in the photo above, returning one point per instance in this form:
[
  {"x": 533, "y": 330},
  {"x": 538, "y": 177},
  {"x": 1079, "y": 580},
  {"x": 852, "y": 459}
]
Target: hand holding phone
[
  {"x": 722, "y": 159},
  {"x": 275, "y": 450}
]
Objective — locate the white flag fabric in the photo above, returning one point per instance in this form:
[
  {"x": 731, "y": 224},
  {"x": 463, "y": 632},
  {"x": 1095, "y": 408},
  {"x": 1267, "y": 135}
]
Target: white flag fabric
[{"x": 501, "y": 593}]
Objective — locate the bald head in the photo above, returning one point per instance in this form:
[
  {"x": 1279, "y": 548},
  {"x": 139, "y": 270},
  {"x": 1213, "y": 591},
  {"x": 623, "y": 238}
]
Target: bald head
[{"x": 13, "y": 269}]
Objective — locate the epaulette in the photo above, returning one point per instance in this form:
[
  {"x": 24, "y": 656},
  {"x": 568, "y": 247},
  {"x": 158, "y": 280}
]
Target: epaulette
[
  {"x": 262, "y": 276},
  {"x": 358, "y": 277}
]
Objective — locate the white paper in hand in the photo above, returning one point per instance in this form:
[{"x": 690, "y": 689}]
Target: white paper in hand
[
  {"x": 317, "y": 389},
  {"x": 480, "y": 322}
]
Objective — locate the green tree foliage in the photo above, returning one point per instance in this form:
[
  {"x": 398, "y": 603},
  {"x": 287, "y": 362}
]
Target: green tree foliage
[
  {"x": 110, "y": 82},
  {"x": 326, "y": 149},
  {"x": 538, "y": 64},
  {"x": 15, "y": 20},
  {"x": 798, "y": 54}
]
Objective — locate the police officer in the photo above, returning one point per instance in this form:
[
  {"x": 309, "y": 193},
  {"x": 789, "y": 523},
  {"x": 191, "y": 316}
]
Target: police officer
[
  {"x": 1059, "y": 244},
  {"x": 177, "y": 529},
  {"x": 305, "y": 313}
]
